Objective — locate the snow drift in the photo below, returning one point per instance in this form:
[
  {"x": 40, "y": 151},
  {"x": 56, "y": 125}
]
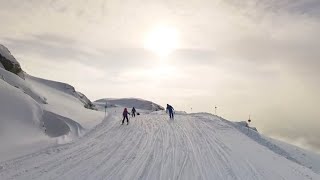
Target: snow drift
[
  {"x": 36, "y": 113},
  {"x": 20, "y": 120}
]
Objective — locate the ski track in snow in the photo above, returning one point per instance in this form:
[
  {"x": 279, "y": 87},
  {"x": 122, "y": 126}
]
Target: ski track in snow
[{"x": 153, "y": 147}]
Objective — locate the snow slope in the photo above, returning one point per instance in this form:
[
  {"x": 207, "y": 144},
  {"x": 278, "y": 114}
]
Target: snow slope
[
  {"x": 197, "y": 146},
  {"x": 304, "y": 157},
  {"x": 65, "y": 101},
  {"x": 20, "y": 121},
  {"x": 37, "y": 113}
]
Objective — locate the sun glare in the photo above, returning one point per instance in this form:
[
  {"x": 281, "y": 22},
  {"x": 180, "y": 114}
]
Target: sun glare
[{"x": 162, "y": 40}]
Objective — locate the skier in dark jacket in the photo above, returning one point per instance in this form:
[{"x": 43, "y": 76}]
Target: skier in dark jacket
[
  {"x": 133, "y": 112},
  {"x": 170, "y": 109},
  {"x": 125, "y": 115}
]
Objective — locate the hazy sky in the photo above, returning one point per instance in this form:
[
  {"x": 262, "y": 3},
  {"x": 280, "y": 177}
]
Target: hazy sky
[{"x": 245, "y": 57}]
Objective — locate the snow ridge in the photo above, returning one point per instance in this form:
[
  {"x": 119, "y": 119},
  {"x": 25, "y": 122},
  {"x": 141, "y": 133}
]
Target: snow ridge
[{"x": 7, "y": 54}]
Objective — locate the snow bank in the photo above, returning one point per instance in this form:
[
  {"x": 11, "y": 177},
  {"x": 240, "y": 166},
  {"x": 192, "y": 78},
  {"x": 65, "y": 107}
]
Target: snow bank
[
  {"x": 290, "y": 152},
  {"x": 20, "y": 120},
  {"x": 305, "y": 157},
  {"x": 61, "y": 127},
  {"x": 56, "y": 125},
  {"x": 246, "y": 125},
  {"x": 37, "y": 113}
]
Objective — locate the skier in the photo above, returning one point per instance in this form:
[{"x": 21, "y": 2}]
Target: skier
[
  {"x": 170, "y": 109},
  {"x": 125, "y": 115},
  {"x": 133, "y": 112}
]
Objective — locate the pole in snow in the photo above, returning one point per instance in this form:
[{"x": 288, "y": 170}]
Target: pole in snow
[
  {"x": 105, "y": 110},
  {"x": 249, "y": 121},
  {"x": 215, "y": 110}
]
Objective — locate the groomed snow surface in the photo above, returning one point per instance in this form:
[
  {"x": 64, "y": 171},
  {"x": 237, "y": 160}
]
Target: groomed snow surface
[{"x": 194, "y": 146}]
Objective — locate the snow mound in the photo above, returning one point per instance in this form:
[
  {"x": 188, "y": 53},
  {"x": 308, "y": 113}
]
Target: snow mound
[
  {"x": 56, "y": 125},
  {"x": 20, "y": 120},
  {"x": 129, "y": 102},
  {"x": 246, "y": 125},
  {"x": 37, "y": 113},
  {"x": 30, "y": 121}
]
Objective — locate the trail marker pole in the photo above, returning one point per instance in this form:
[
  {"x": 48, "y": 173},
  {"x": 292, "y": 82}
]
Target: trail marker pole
[
  {"x": 215, "y": 110},
  {"x": 105, "y": 110},
  {"x": 249, "y": 121}
]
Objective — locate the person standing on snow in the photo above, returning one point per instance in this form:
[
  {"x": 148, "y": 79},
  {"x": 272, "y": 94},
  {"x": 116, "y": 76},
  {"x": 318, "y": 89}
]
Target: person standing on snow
[
  {"x": 170, "y": 109},
  {"x": 125, "y": 115},
  {"x": 133, "y": 112}
]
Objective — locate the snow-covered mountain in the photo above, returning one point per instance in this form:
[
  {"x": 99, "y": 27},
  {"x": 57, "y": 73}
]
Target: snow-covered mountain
[
  {"x": 47, "y": 133},
  {"x": 36, "y": 113},
  {"x": 129, "y": 103}
]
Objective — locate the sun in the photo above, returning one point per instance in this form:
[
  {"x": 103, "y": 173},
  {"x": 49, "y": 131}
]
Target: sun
[{"x": 162, "y": 40}]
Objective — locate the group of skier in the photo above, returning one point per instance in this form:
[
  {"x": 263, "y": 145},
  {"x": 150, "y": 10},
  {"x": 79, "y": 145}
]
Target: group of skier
[{"x": 125, "y": 113}]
